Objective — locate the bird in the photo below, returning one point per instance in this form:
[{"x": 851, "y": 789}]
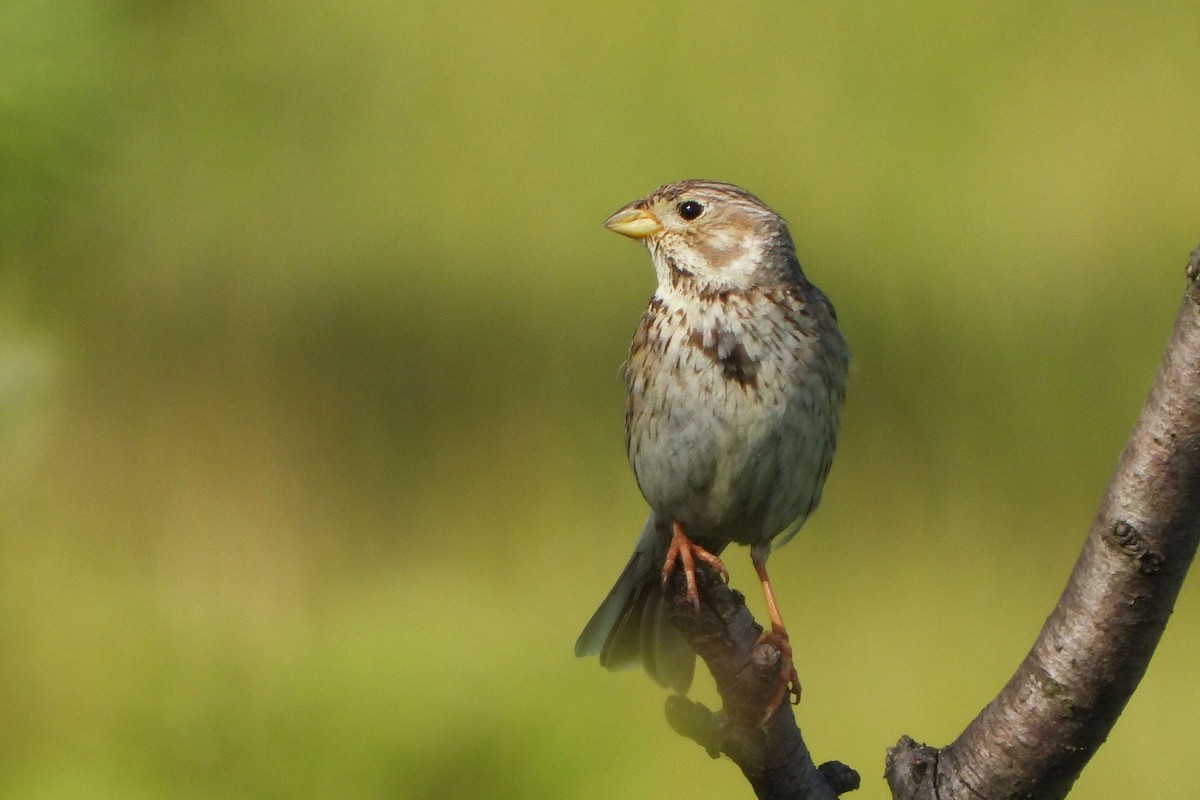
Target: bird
[{"x": 735, "y": 379}]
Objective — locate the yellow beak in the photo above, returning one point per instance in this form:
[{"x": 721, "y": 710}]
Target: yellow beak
[{"x": 636, "y": 223}]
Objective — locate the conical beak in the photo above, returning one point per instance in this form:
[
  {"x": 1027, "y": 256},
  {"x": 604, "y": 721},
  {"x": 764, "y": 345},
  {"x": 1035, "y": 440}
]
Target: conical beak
[{"x": 634, "y": 222}]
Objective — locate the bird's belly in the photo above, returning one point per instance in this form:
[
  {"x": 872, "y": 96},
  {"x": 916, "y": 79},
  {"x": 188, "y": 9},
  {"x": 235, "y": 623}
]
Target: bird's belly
[{"x": 731, "y": 463}]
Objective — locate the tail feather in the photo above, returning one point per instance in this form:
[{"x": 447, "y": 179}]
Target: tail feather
[
  {"x": 666, "y": 654},
  {"x": 632, "y": 626}
]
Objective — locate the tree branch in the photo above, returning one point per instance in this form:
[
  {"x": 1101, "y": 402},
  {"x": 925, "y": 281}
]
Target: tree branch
[
  {"x": 1034, "y": 739},
  {"x": 773, "y": 757},
  {"x": 1036, "y": 736}
]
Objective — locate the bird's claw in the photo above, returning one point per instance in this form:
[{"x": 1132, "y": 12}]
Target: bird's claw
[
  {"x": 684, "y": 551},
  {"x": 789, "y": 681}
]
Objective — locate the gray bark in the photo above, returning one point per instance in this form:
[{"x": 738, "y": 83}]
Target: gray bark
[{"x": 1036, "y": 736}]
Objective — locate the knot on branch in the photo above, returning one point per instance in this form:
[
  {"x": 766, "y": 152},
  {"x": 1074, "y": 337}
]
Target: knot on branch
[
  {"x": 712, "y": 731},
  {"x": 841, "y": 778},
  {"x": 911, "y": 769},
  {"x": 698, "y": 723},
  {"x": 1125, "y": 537}
]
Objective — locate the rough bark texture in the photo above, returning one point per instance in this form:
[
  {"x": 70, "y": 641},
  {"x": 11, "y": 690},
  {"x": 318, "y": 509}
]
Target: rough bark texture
[
  {"x": 773, "y": 757},
  {"x": 1036, "y": 736}
]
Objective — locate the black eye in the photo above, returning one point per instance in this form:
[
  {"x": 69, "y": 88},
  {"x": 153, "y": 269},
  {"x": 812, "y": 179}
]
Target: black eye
[{"x": 690, "y": 209}]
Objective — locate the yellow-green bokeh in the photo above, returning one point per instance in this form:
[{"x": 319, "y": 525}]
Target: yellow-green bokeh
[{"x": 311, "y": 458}]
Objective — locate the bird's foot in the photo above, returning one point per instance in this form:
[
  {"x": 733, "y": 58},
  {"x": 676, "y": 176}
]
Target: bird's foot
[
  {"x": 789, "y": 681},
  {"x": 683, "y": 550}
]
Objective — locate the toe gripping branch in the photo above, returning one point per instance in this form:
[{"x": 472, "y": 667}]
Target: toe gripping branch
[
  {"x": 746, "y": 666},
  {"x": 684, "y": 552}
]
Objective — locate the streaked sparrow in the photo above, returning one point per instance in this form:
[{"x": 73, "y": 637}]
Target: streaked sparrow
[{"x": 736, "y": 377}]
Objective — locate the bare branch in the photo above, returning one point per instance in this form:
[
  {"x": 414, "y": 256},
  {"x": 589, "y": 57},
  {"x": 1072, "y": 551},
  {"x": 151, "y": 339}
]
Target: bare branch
[
  {"x": 1036, "y": 736},
  {"x": 773, "y": 758},
  {"x": 1034, "y": 739}
]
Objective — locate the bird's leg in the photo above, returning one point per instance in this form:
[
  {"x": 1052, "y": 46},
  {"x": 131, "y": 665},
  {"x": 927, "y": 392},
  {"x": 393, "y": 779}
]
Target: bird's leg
[
  {"x": 778, "y": 637},
  {"x": 685, "y": 551}
]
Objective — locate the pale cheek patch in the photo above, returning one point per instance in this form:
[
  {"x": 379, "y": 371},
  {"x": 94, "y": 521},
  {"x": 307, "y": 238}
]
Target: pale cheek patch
[
  {"x": 722, "y": 251},
  {"x": 736, "y": 265}
]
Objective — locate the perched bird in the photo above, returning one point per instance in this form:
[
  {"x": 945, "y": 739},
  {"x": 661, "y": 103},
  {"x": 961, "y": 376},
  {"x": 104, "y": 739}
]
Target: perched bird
[{"x": 735, "y": 377}]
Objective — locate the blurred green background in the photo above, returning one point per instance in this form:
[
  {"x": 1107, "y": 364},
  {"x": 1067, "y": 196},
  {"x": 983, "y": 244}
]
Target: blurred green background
[{"x": 311, "y": 452}]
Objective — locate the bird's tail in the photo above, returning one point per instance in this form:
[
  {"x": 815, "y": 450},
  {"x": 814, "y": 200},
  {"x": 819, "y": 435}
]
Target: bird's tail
[{"x": 631, "y": 626}]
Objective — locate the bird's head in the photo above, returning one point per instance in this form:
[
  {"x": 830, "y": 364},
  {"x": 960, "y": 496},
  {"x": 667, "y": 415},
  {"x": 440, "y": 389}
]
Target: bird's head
[{"x": 713, "y": 234}]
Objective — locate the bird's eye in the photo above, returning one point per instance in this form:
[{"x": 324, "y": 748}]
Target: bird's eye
[{"x": 690, "y": 209}]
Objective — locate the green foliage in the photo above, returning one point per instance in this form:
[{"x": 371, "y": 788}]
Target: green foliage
[{"x": 310, "y": 432}]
